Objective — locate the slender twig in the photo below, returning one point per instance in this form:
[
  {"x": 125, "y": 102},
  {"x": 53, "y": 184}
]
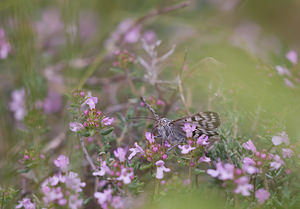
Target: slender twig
[
  {"x": 156, "y": 187},
  {"x": 120, "y": 139},
  {"x": 182, "y": 96},
  {"x": 191, "y": 173},
  {"x": 87, "y": 156},
  {"x": 133, "y": 89}
]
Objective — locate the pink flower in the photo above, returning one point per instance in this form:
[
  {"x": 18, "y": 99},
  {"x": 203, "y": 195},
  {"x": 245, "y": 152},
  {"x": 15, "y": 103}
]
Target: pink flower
[
  {"x": 185, "y": 149},
  {"x": 292, "y": 57},
  {"x": 150, "y": 137},
  {"x": 283, "y": 137},
  {"x": 133, "y": 35},
  {"x": 62, "y": 162},
  {"x": 282, "y": 70},
  {"x": 225, "y": 172},
  {"x": 73, "y": 182},
  {"x": 107, "y": 121},
  {"x": 249, "y": 166},
  {"x": 204, "y": 159},
  {"x": 249, "y": 146},
  {"x": 288, "y": 83},
  {"x": 26, "y": 203},
  {"x": 149, "y": 36},
  {"x": 135, "y": 150},
  {"x": 118, "y": 202},
  {"x": 126, "y": 176},
  {"x": 160, "y": 102},
  {"x": 75, "y": 126},
  {"x": 188, "y": 128},
  {"x": 161, "y": 169},
  {"x": 75, "y": 202},
  {"x": 243, "y": 186},
  {"x": 18, "y": 105},
  {"x": 277, "y": 163},
  {"x": 287, "y": 153},
  {"x": 103, "y": 197},
  {"x": 120, "y": 153},
  {"x": 203, "y": 140},
  {"x": 91, "y": 102},
  {"x": 5, "y": 47},
  {"x": 54, "y": 180},
  {"x": 103, "y": 169},
  {"x": 262, "y": 195}
]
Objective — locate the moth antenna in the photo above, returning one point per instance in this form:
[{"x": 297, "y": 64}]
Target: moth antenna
[
  {"x": 150, "y": 108},
  {"x": 141, "y": 117}
]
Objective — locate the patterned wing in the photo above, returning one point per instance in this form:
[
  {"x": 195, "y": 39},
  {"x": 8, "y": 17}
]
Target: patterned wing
[{"x": 206, "y": 123}]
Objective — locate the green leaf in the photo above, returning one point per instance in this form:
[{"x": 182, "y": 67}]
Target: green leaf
[
  {"x": 86, "y": 201},
  {"x": 25, "y": 170},
  {"x": 146, "y": 166},
  {"x": 106, "y": 131},
  {"x": 198, "y": 171}
]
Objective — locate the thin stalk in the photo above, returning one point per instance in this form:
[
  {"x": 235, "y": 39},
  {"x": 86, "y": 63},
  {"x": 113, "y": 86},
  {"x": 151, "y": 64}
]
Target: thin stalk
[
  {"x": 86, "y": 154},
  {"x": 156, "y": 189}
]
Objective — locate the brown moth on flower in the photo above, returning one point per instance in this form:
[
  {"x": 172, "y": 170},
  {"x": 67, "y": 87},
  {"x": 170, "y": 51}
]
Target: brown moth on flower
[{"x": 174, "y": 131}]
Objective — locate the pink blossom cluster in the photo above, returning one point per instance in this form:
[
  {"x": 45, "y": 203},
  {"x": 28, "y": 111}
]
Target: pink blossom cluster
[
  {"x": 120, "y": 174},
  {"x": 5, "y": 47},
  {"x": 51, "y": 104},
  {"x": 288, "y": 74},
  {"x": 154, "y": 153},
  {"x": 106, "y": 199},
  {"x": 124, "y": 59},
  {"x": 64, "y": 188},
  {"x": 233, "y": 177},
  {"x": 26, "y": 204},
  {"x": 195, "y": 146},
  {"x": 90, "y": 118},
  {"x": 118, "y": 169}
]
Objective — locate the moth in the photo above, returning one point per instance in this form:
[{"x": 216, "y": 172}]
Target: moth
[{"x": 172, "y": 130}]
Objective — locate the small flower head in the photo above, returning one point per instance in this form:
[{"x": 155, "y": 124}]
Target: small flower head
[
  {"x": 262, "y": 195},
  {"x": 150, "y": 137},
  {"x": 62, "y": 162},
  {"x": 277, "y": 163},
  {"x": 75, "y": 126},
  {"x": 185, "y": 149},
  {"x": 203, "y": 140},
  {"x": 249, "y": 146},
  {"x": 282, "y": 137},
  {"x": 126, "y": 176},
  {"x": 189, "y": 128},
  {"x": 26, "y": 204},
  {"x": 161, "y": 169},
  {"x": 120, "y": 153},
  {"x": 103, "y": 170},
  {"x": 243, "y": 186},
  {"x": 135, "y": 150},
  {"x": 107, "y": 121},
  {"x": 91, "y": 102},
  {"x": 292, "y": 57},
  {"x": 287, "y": 153},
  {"x": 204, "y": 159}
]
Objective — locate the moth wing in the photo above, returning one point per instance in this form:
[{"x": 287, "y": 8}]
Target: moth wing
[{"x": 206, "y": 123}]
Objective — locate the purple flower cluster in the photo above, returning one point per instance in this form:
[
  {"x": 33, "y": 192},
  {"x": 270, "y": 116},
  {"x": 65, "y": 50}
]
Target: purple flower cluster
[
  {"x": 64, "y": 188},
  {"x": 286, "y": 73},
  {"x": 119, "y": 174},
  {"x": 124, "y": 59},
  {"x": 5, "y": 47},
  {"x": 90, "y": 117}
]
